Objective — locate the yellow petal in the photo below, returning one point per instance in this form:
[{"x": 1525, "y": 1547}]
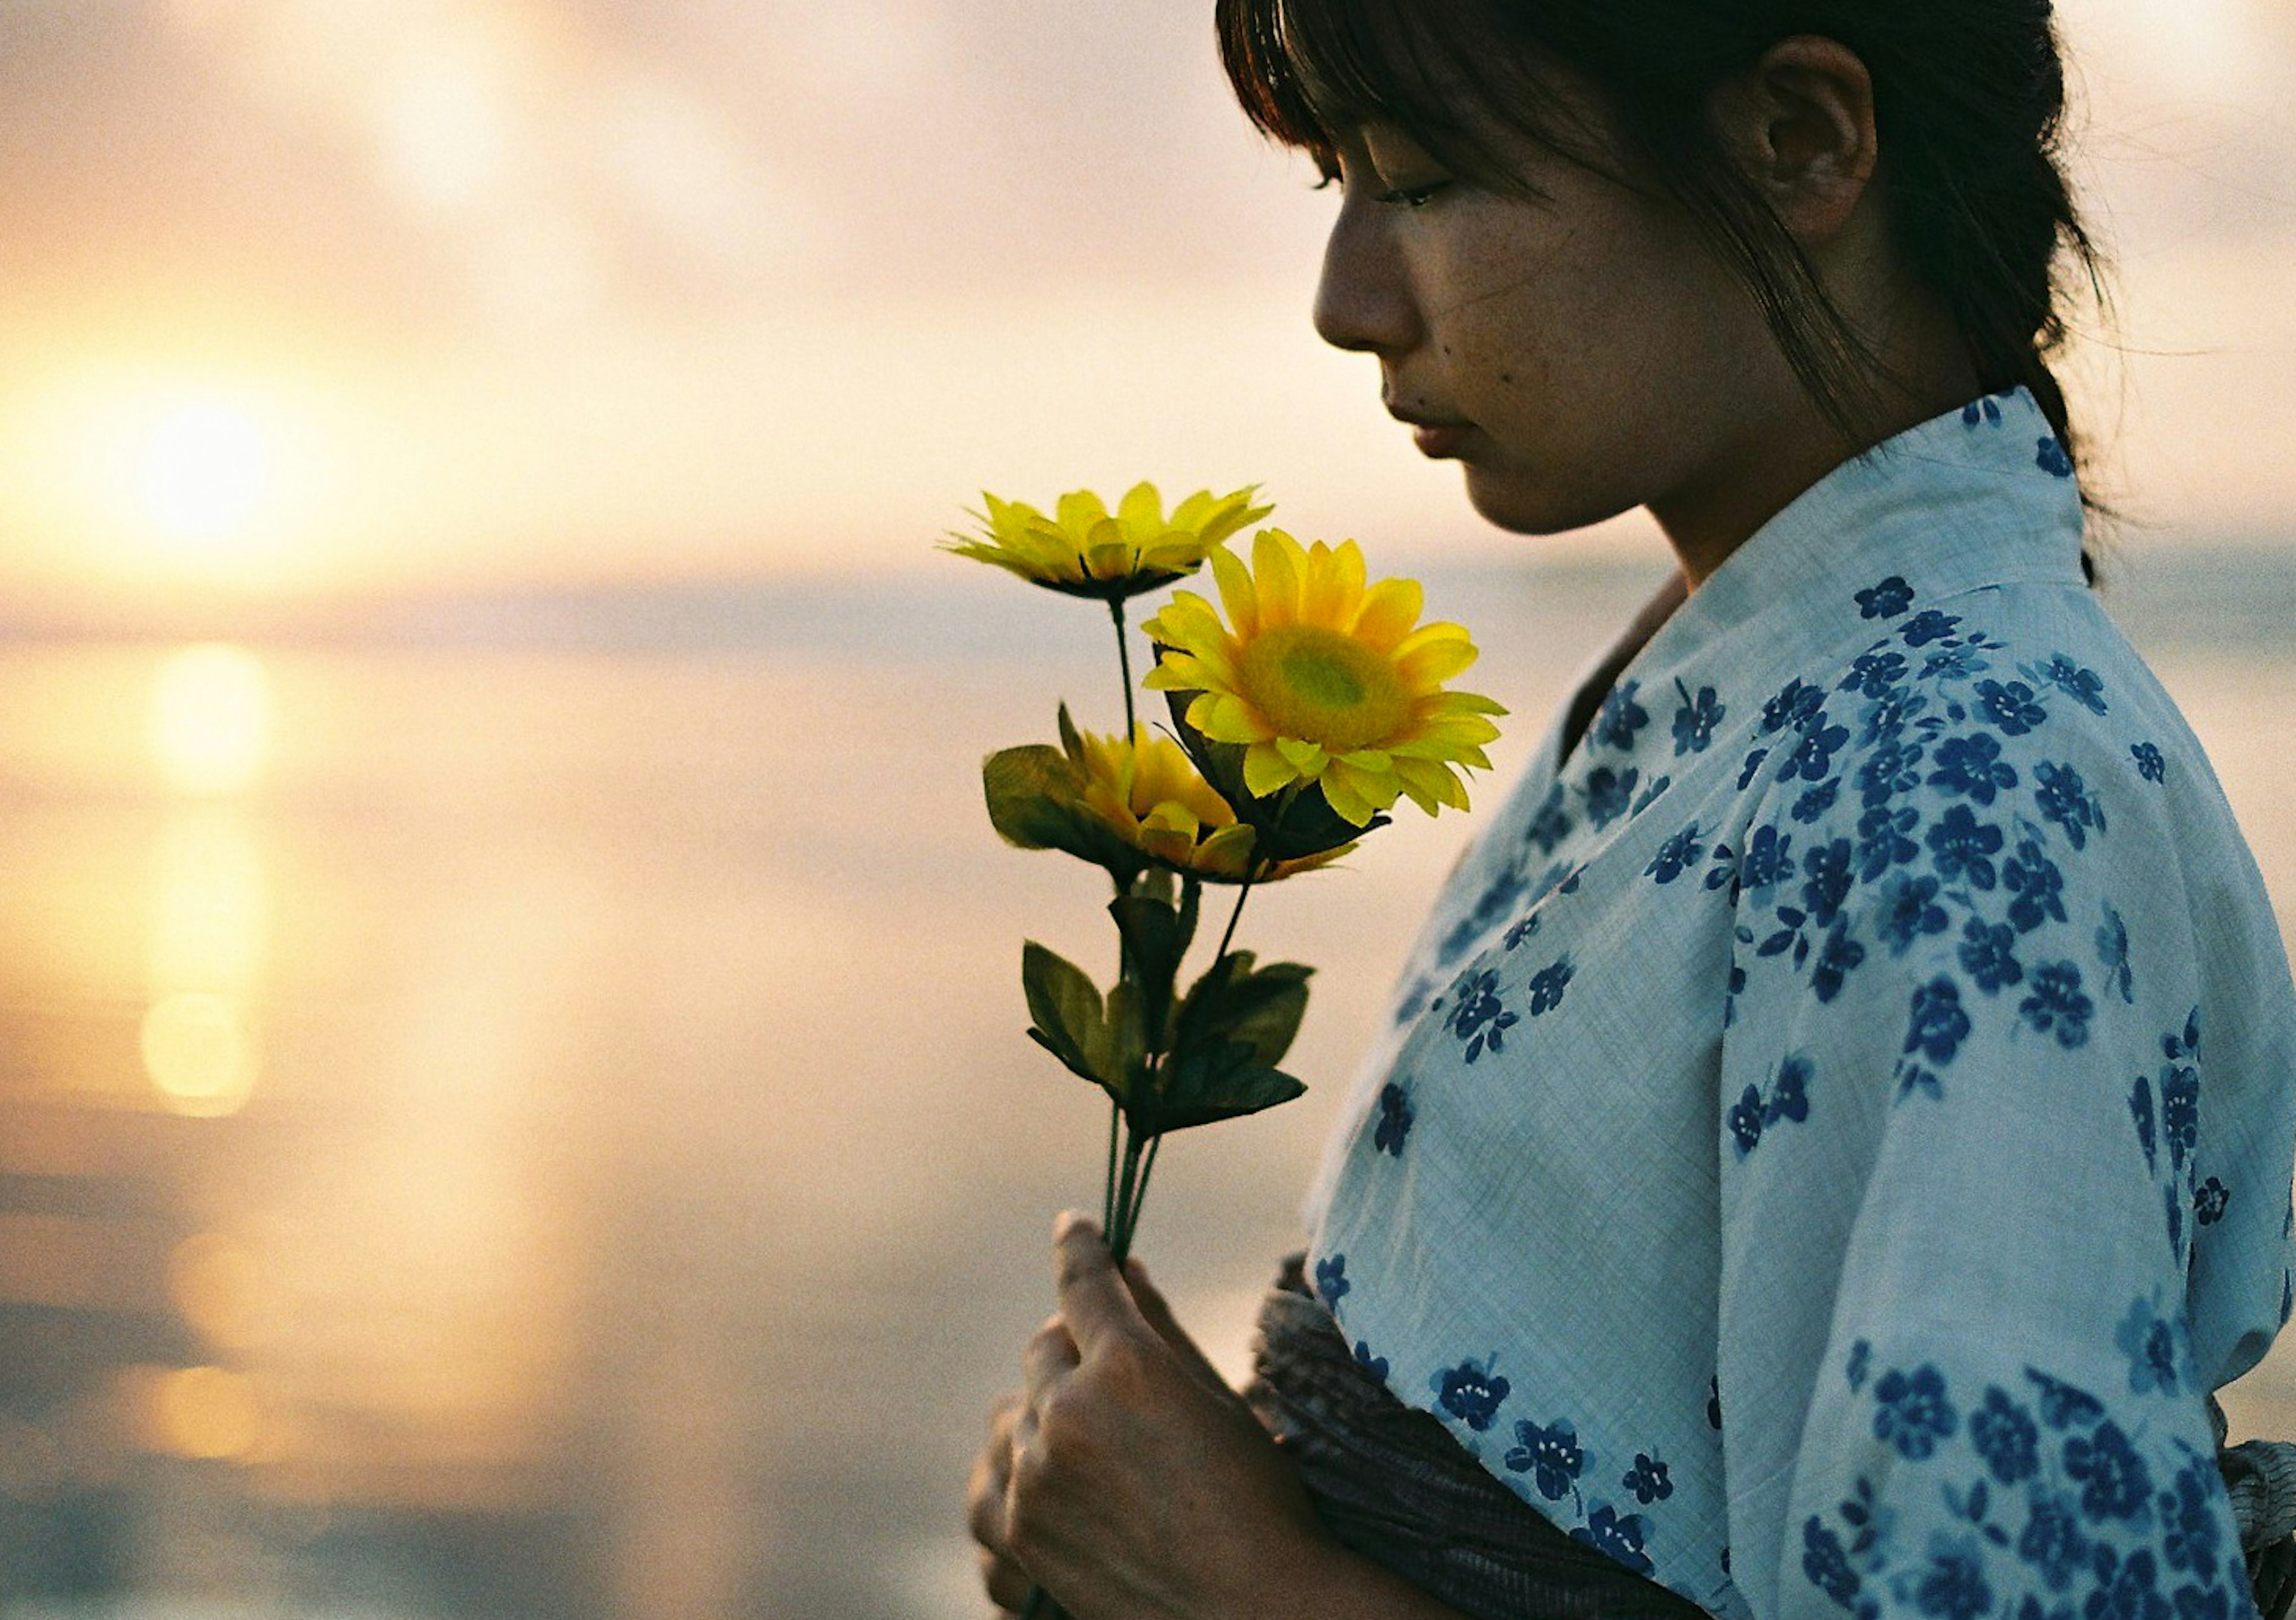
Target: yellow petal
[
  {"x": 1108, "y": 559},
  {"x": 1238, "y": 594},
  {"x": 1348, "y": 805},
  {"x": 1309, "y": 863},
  {"x": 1175, "y": 672},
  {"x": 1381, "y": 787},
  {"x": 1464, "y": 731},
  {"x": 1306, "y": 758},
  {"x": 1169, "y": 843},
  {"x": 1173, "y": 548},
  {"x": 1277, "y": 562},
  {"x": 1216, "y": 520},
  {"x": 1169, "y": 817},
  {"x": 1389, "y": 609},
  {"x": 1335, "y": 589},
  {"x": 1462, "y": 703},
  {"x": 1426, "y": 780},
  {"x": 1188, "y": 622},
  {"x": 1265, "y": 771},
  {"x": 1078, "y": 510},
  {"x": 1432, "y": 654},
  {"x": 1142, "y": 508},
  {"x": 1226, "y": 854},
  {"x": 1226, "y": 718}
]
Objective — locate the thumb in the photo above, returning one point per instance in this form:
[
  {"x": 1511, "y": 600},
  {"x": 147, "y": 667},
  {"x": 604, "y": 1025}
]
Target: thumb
[{"x": 1093, "y": 1299}]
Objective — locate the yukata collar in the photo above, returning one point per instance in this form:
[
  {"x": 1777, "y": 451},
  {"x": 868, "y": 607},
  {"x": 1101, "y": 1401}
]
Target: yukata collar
[{"x": 1980, "y": 496}]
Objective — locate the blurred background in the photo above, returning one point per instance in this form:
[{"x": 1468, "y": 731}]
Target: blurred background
[{"x": 512, "y": 1097}]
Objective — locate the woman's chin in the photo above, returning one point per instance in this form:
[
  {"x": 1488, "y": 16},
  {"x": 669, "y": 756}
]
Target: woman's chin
[{"x": 1522, "y": 505}]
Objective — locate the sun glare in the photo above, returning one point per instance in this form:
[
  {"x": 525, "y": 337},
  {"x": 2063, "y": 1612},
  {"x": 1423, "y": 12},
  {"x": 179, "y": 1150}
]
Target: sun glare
[
  {"x": 204, "y": 470},
  {"x": 210, "y": 728},
  {"x": 200, "y": 1051}
]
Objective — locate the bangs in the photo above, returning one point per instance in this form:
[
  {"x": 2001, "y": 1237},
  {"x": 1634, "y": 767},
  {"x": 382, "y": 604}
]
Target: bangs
[{"x": 1446, "y": 73}]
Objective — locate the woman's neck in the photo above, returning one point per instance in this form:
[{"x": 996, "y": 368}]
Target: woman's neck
[{"x": 1786, "y": 443}]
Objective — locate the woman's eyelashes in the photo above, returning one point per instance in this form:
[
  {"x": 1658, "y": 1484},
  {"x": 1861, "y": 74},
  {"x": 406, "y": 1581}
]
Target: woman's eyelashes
[{"x": 1412, "y": 196}]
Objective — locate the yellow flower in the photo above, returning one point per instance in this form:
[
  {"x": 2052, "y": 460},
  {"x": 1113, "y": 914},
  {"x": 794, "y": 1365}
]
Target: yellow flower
[
  {"x": 1320, "y": 680},
  {"x": 1149, "y": 795},
  {"x": 1122, "y": 806},
  {"x": 1085, "y": 550}
]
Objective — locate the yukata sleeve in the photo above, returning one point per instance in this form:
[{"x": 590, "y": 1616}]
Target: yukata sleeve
[{"x": 1961, "y": 1138}]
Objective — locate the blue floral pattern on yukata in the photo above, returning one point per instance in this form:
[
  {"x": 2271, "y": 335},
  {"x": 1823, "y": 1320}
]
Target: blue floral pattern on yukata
[{"x": 1881, "y": 957}]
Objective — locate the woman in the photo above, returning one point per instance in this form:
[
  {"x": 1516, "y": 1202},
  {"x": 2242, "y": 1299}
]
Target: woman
[{"x": 1837, "y": 1129}]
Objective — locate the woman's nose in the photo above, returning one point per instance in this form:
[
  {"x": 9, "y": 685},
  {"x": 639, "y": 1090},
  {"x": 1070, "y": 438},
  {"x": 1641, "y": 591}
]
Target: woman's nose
[{"x": 1362, "y": 300}]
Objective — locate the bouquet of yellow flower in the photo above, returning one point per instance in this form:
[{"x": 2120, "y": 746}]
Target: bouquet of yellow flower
[{"x": 1296, "y": 723}]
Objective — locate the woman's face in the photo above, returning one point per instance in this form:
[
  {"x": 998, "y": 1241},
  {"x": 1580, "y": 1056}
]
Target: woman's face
[{"x": 1580, "y": 352}]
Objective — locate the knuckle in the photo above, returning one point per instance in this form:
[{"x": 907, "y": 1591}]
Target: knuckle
[
  {"x": 1001, "y": 1424},
  {"x": 1022, "y": 1535},
  {"x": 1069, "y": 1434},
  {"x": 1126, "y": 1369},
  {"x": 1040, "y": 1469}
]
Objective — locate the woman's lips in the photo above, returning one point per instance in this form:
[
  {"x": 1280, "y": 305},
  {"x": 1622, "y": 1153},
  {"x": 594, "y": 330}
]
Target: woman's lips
[{"x": 1440, "y": 441}]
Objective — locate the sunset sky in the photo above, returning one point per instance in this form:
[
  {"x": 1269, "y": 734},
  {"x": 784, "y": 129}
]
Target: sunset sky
[{"x": 313, "y": 294}]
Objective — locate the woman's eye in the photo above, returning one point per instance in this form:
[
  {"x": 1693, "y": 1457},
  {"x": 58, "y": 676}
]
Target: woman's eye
[{"x": 1412, "y": 196}]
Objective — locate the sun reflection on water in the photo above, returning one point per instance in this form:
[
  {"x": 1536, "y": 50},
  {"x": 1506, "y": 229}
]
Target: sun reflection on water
[
  {"x": 210, "y": 737},
  {"x": 211, "y": 904},
  {"x": 209, "y": 1414},
  {"x": 200, "y": 1050},
  {"x": 217, "y": 1283},
  {"x": 211, "y": 720}
]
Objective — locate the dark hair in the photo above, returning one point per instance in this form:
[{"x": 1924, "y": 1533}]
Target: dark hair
[{"x": 1969, "y": 100}]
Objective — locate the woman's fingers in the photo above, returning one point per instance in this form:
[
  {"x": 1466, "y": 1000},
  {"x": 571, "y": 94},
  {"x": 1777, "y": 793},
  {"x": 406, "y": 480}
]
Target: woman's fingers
[
  {"x": 992, "y": 1475},
  {"x": 1051, "y": 1352},
  {"x": 1096, "y": 1301},
  {"x": 1008, "y": 1583}
]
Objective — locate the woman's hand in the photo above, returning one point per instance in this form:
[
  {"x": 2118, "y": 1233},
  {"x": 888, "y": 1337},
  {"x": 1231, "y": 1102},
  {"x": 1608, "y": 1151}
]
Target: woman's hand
[{"x": 1128, "y": 1478}]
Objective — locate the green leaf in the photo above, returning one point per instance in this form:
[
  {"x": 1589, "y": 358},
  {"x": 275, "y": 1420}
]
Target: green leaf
[
  {"x": 1071, "y": 1060},
  {"x": 1215, "y": 1082},
  {"x": 1070, "y": 1019},
  {"x": 1257, "y": 1007},
  {"x": 1071, "y": 743},
  {"x": 1124, "y": 1051},
  {"x": 1034, "y": 802},
  {"x": 1030, "y": 791},
  {"x": 1153, "y": 948}
]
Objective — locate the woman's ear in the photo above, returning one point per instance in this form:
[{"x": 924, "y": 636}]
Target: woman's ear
[{"x": 1800, "y": 124}]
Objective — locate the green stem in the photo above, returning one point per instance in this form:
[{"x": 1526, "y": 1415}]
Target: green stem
[
  {"x": 1108, "y": 1184},
  {"x": 1139, "y": 1198},
  {"x": 1124, "y": 663},
  {"x": 1120, "y": 1229},
  {"x": 1243, "y": 893}
]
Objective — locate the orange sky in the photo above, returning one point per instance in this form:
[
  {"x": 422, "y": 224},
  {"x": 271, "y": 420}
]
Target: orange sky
[{"x": 312, "y": 293}]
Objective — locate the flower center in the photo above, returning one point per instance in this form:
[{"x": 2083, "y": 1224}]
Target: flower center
[{"x": 1315, "y": 684}]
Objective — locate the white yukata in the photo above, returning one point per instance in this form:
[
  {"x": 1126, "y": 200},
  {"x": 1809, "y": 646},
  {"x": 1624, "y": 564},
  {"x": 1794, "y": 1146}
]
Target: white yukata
[{"x": 1837, "y": 1130}]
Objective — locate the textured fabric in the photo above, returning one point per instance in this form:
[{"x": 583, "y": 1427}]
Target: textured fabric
[
  {"x": 1837, "y": 1125},
  {"x": 2261, "y": 1475},
  {"x": 1389, "y": 1482}
]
